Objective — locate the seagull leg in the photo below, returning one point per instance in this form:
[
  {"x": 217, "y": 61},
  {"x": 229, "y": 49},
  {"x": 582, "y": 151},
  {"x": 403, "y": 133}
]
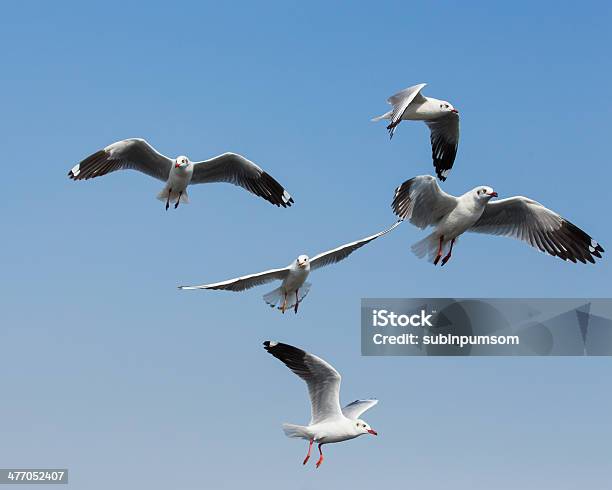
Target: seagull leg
[
  {"x": 439, "y": 256},
  {"x": 168, "y": 200},
  {"x": 284, "y": 305},
  {"x": 178, "y": 200},
  {"x": 320, "y": 457},
  {"x": 297, "y": 301},
  {"x": 448, "y": 255},
  {"x": 309, "y": 449}
]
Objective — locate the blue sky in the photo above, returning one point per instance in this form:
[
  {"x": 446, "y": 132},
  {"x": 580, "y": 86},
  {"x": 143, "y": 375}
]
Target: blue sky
[{"x": 112, "y": 372}]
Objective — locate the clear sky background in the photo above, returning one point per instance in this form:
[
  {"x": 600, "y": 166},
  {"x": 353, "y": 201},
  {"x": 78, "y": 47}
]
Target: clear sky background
[{"x": 109, "y": 370}]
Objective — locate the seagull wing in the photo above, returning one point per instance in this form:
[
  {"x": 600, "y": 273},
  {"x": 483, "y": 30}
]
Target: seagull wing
[
  {"x": 245, "y": 282},
  {"x": 400, "y": 102},
  {"x": 355, "y": 409},
  {"x": 444, "y": 142},
  {"x": 527, "y": 220},
  {"x": 322, "y": 379},
  {"x": 235, "y": 169},
  {"x": 134, "y": 153},
  {"x": 343, "y": 251},
  {"x": 421, "y": 201}
]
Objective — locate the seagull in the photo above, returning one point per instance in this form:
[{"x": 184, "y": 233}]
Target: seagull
[
  {"x": 439, "y": 115},
  {"x": 421, "y": 201},
  {"x": 137, "y": 154},
  {"x": 294, "y": 287},
  {"x": 329, "y": 423}
]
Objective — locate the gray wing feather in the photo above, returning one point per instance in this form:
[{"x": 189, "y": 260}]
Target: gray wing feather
[
  {"x": 343, "y": 251},
  {"x": 322, "y": 379},
  {"x": 400, "y": 102},
  {"x": 421, "y": 201},
  {"x": 245, "y": 282},
  {"x": 358, "y": 407},
  {"x": 528, "y": 220},
  {"x": 133, "y": 153},
  {"x": 235, "y": 169}
]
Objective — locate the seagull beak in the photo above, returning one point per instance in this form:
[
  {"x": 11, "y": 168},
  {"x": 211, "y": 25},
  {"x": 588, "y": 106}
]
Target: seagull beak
[
  {"x": 455, "y": 111},
  {"x": 177, "y": 165},
  {"x": 493, "y": 194},
  {"x": 373, "y": 432}
]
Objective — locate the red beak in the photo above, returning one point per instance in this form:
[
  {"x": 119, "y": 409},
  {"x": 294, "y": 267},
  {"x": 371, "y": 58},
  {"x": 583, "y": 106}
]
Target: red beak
[
  {"x": 455, "y": 111},
  {"x": 373, "y": 432},
  {"x": 176, "y": 165},
  {"x": 493, "y": 194}
]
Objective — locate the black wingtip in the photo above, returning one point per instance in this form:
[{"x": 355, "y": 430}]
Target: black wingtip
[
  {"x": 269, "y": 189},
  {"x": 576, "y": 245},
  {"x": 401, "y": 199},
  {"x": 284, "y": 352}
]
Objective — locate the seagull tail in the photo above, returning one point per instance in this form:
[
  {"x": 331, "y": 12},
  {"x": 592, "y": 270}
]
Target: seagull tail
[
  {"x": 386, "y": 115},
  {"x": 163, "y": 196},
  {"x": 276, "y": 297},
  {"x": 298, "y": 431},
  {"x": 428, "y": 246}
]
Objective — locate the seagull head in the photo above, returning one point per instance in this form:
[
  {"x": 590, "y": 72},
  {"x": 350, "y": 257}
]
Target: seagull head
[
  {"x": 484, "y": 193},
  {"x": 181, "y": 162},
  {"x": 363, "y": 428},
  {"x": 302, "y": 261},
  {"x": 447, "y": 107}
]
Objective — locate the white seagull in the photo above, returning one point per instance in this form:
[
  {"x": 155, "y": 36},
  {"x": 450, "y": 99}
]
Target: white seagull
[
  {"x": 294, "y": 287},
  {"x": 329, "y": 423},
  {"x": 439, "y": 115},
  {"x": 421, "y": 201},
  {"x": 137, "y": 154}
]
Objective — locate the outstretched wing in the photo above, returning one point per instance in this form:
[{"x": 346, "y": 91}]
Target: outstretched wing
[
  {"x": 444, "y": 142},
  {"x": 235, "y": 169},
  {"x": 134, "y": 153},
  {"x": 245, "y": 282},
  {"x": 322, "y": 379},
  {"x": 421, "y": 201},
  {"x": 355, "y": 409},
  {"x": 529, "y": 221},
  {"x": 400, "y": 102},
  {"x": 343, "y": 251}
]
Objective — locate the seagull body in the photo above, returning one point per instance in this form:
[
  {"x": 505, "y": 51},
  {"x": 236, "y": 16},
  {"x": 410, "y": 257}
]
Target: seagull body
[
  {"x": 293, "y": 288},
  {"x": 178, "y": 174},
  {"x": 299, "y": 270},
  {"x": 329, "y": 423},
  {"x": 439, "y": 115},
  {"x": 423, "y": 203}
]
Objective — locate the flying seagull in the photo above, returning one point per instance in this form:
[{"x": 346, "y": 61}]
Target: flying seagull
[
  {"x": 294, "y": 287},
  {"x": 137, "y": 154},
  {"x": 421, "y": 201},
  {"x": 329, "y": 423},
  {"x": 439, "y": 115}
]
